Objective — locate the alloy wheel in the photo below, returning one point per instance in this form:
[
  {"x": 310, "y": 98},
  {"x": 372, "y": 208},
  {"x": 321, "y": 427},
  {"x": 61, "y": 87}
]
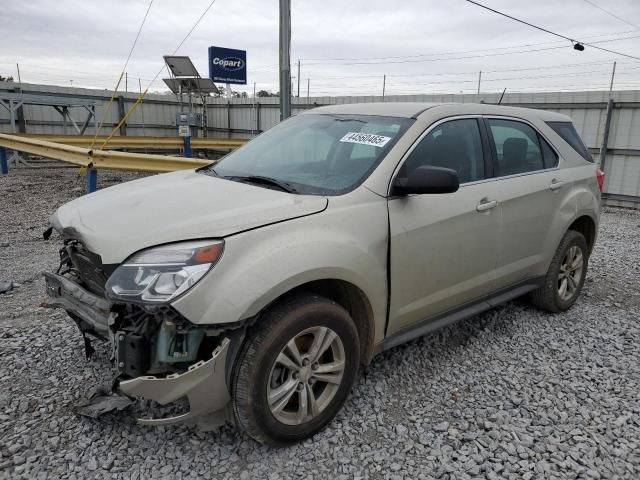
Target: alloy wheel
[
  {"x": 306, "y": 375},
  {"x": 570, "y": 273}
]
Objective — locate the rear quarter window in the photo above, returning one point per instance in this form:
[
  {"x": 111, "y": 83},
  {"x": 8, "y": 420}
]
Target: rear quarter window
[{"x": 569, "y": 134}]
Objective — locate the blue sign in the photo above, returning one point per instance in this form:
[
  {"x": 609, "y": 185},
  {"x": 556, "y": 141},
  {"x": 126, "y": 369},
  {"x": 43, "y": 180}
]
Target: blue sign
[{"x": 227, "y": 65}]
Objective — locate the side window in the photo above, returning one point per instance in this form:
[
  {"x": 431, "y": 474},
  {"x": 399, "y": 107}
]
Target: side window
[
  {"x": 568, "y": 133},
  {"x": 517, "y": 146},
  {"x": 455, "y": 144},
  {"x": 549, "y": 156}
]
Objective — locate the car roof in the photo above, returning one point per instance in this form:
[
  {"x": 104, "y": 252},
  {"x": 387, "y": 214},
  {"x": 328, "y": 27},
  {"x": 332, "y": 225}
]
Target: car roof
[
  {"x": 387, "y": 109},
  {"x": 415, "y": 109}
]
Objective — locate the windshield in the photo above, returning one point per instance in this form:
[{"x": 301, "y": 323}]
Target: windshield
[{"x": 314, "y": 154}]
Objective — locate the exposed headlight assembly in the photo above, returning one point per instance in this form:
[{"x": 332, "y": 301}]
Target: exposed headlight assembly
[{"x": 160, "y": 274}]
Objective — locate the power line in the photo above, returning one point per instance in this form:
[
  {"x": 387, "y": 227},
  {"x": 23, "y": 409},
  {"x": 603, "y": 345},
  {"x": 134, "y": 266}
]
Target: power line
[
  {"x": 521, "y": 21},
  {"x": 143, "y": 94},
  {"x": 426, "y": 60},
  {"x": 473, "y": 72},
  {"x": 115, "y": 89},
  {"x": 574, "y": 41},
  {"x": 320, "y": 61},
  {"x": 135, "y": 41},
  {"x": 503, "y": 79},
  {"x": 458, "y": 52},
  {"x": 612, "y": 14},
  {"x": 577, "y": 74}
]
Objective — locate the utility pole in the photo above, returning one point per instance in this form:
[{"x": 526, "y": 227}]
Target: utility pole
[
  {"x": 285, "y": 61},
  {"x": 298, "y": 78},
  {"x": 479, "y": 80},
  {"x": 19, "y": 79},
  {"x": 613, "y": 74},
  {"x": 126, "y": 82},
  {"x": 308, "y": 84},
  {"x": 384, "y": 85}
]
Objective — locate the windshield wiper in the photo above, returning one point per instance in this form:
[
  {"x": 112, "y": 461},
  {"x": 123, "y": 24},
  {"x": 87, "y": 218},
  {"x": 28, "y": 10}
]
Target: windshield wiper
[{"x": 284, "y": 186}]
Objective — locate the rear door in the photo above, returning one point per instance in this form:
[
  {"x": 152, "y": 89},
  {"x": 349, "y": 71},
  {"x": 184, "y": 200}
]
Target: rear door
[
  {"x": 444, "y": 247},
  {"x": 530, "y": 193}
]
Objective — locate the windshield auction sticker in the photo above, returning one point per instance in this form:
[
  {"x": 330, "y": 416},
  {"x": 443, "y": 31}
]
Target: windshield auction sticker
[{"x": 366, "y": 139}]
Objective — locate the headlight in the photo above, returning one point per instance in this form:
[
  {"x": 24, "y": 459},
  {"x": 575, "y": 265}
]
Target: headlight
[{"x": 160, "y": 274}]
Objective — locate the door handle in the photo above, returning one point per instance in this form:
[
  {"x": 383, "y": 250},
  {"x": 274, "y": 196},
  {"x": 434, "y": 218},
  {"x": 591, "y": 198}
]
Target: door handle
[
  {"x": 556, "y": 184},
  {"x": 486, "y": 204}
]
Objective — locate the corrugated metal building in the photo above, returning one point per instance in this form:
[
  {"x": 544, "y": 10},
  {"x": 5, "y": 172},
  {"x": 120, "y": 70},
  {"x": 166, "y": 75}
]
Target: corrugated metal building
[{"x": 244, "y": 118}]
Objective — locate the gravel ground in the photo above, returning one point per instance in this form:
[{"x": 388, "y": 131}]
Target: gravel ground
[{"x": 514, "y": 393}]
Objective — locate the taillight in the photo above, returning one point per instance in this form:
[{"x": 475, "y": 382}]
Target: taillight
[{"x": 600, "y": 177}]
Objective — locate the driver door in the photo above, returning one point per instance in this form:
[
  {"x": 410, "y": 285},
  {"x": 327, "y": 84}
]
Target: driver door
[{"x": 444, "y": 246}]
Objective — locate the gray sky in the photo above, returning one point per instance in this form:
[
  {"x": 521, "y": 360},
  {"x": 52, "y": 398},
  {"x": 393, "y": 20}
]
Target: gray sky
[{"x": 429, "y": 45}]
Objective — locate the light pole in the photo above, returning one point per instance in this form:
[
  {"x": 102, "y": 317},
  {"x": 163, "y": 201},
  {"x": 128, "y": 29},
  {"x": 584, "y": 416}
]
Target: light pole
[{"x": 285, "y": 62}]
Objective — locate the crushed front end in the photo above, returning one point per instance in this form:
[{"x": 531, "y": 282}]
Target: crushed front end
[{"x": 156, "y": 353}]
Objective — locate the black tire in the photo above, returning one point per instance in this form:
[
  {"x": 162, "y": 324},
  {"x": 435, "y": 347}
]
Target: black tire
[
  {"x": 253, "y": 369},
  {"x": 547, "y": 297}
]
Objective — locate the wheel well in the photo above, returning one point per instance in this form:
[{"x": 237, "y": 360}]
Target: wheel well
[
  {"x": 587, "y": 227},
  {"x": 353, "y": 300}
]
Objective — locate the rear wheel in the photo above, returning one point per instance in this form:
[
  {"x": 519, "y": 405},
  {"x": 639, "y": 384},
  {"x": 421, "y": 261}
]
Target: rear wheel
[
  {"x": 295, "y": 370},
  {"x": 566, "y": 275}
]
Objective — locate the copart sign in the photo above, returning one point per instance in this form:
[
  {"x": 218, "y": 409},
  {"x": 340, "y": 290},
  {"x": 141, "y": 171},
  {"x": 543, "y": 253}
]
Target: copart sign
[{"x": 228, "y": 65}]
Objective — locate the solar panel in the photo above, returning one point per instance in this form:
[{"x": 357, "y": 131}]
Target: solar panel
[
  {"x": 181, "y": 66},
  {"x": 203, "y": 85}
]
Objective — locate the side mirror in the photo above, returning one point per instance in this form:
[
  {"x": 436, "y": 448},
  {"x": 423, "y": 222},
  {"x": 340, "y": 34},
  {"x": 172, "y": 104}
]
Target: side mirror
[{"x": 427, "y": 179}]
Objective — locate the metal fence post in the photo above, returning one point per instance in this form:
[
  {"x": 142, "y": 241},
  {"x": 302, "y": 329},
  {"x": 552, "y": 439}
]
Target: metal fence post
[
  {"x": 258, "y": 118},
  {"x": 92, "y": 180},
  {"x": 605, "y": 137},
  {"x": 187, "y": 147},
  {"x": 121, "y": 114},
  {"x": 4, "y": 166}
]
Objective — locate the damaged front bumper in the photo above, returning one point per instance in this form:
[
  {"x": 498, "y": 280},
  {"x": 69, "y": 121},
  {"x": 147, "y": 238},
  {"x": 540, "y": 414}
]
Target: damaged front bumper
[
  {"x": 91, "y": 309},
  {"x": 203, "y": 383}
]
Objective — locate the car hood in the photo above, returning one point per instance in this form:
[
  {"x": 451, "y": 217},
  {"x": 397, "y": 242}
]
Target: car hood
[{"x": 121, "y": 220}]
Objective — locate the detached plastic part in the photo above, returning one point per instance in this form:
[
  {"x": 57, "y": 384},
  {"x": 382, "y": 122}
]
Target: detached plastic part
[{"x": 203, "y": 384}]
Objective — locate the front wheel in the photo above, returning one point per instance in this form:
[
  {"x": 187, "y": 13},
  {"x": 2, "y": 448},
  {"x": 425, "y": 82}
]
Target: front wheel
[
  {"x": 295, "y": 370},
  {"x": 566, "y": 275}
]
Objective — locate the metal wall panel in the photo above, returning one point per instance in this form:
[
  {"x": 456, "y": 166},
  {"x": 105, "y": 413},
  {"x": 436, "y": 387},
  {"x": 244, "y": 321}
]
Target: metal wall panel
[
  {"x": 238, "y": 118},
  {"x": 623, "y": 175}
]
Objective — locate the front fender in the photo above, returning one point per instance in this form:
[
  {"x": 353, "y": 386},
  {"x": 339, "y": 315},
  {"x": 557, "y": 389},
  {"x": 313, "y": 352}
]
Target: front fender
[{"x": 348, "y": 244}]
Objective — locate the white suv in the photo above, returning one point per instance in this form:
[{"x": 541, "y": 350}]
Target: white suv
[{"x": 256, "y": 286}]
